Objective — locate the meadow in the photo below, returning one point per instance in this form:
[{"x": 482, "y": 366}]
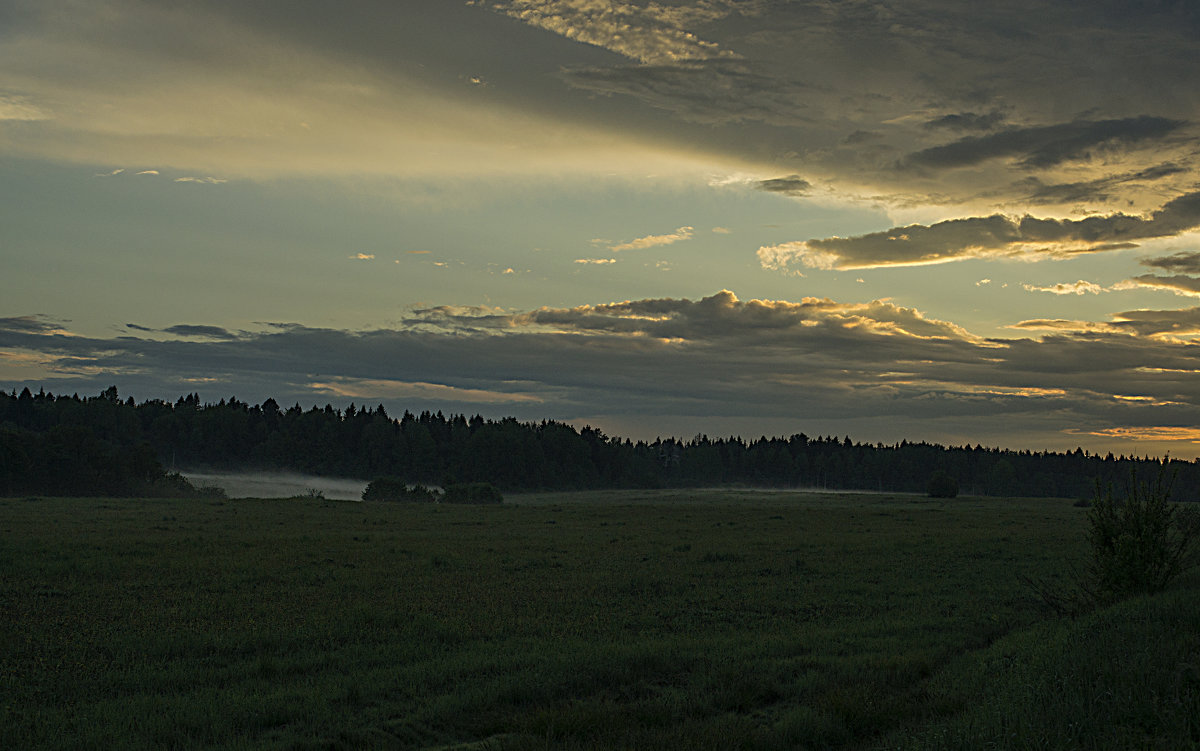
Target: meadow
[{"x": 706, "y": 619}]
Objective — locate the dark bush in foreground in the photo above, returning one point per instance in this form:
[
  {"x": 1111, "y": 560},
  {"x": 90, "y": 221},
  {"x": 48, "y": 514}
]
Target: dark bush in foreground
[
  {"x": 395, "y": 489},
  {"x": 942, "y": 485},
  {"x": 1139, "y": 543},
  {"x": 472, "y": 492}
]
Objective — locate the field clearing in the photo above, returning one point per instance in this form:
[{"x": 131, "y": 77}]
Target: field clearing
[{"x": 669, "y": 619}]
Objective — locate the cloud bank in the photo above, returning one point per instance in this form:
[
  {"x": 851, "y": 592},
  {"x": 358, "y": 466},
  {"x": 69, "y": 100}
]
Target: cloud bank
[
  {"x": 812, "y": 361},
  {"x": 995, "y": 236}
]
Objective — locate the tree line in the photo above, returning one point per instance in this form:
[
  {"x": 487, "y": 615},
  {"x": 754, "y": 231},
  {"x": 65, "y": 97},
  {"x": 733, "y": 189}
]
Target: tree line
[{"x": 104, "y": 445}]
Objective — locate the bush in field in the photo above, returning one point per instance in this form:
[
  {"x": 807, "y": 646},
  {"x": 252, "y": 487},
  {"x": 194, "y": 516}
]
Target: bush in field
[
  {"x": 472, "y": 492},
  {"x": 394, "y": 489},
  {"x": 1139, "y": 543},
  {"x": 175, "y": 485},
  {"x": 942, "y": 485}
]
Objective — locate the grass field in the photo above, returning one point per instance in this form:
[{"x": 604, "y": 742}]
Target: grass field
[{"x": 640, "y": 620}]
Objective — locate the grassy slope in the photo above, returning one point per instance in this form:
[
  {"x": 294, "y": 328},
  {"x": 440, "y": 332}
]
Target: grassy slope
[
  {"x": 655, "y": 620},
  {"x": 1125, "y": 677}
]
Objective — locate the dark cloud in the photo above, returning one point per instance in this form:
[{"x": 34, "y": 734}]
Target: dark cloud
[
  {"x": 189, "y": 330},
  {"x": 1180, "y": 284},
  {"x": 1159, "y": 322},
  {"x": 859, "y": 137},
  {"x": 1156, "y": 172},
  {"x": 712, "y": 92},
  {"x": 1185, "y": 262},
  {"x": 1103, "y": 189},
  {"x": 966, "y": 121},
  {"x": 995, "y": 235},
  {"x": 1046, "y": 146},
  {"x": 211, "y": 332},
  {"x": 1146, "y": 14},
  {"x": 792, "y": 185},
  {"x": 35, "y": 324},
  {"x": 1167, "y": 326}
]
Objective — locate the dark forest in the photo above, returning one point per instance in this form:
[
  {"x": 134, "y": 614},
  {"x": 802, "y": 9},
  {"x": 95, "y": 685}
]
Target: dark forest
[{"x": 103, "y": 445}]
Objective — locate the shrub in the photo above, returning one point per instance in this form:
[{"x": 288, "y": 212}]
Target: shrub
[
  {"x": 395, "y": 489},
  {"x": 942, "y": 485},
  {"x": 472, "y": 492},
  {"x": 1139, "y": 543}
]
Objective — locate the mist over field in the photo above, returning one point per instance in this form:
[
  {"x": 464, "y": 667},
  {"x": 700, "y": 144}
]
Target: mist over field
[{"x": 277, "y": 484}]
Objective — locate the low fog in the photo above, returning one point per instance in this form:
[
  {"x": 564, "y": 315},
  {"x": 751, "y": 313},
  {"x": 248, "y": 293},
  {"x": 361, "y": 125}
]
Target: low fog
[{"x": 277, "y": 484}]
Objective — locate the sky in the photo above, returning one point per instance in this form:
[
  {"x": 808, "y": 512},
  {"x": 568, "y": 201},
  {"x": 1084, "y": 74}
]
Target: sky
[{"x": 927, "y": 220}]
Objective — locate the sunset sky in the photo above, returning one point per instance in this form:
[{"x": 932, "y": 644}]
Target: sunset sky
[{"x": 930, "y": 219}]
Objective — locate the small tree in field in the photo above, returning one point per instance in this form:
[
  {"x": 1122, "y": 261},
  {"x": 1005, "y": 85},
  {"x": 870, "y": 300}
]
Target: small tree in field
[{"x": 1139, "y": 543}]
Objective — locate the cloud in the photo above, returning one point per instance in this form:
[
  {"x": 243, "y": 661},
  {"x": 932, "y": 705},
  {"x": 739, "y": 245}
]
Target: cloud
[
  {"x": 966, "y": 121},
  {"x": 722, "y": 230},
  {"x": 1048, "y": 145},
  {"x": 1171, "y": 324},
  {"x": 1185, "y": 322},
  {"x": 792, "y": 185},
  {"x": 783, "y": 257},
  {"x": 188, "y": 330},
  {"x": 1065, "y": 325},
  {"x": 148, "y": 172},
  {"x": 34, "y": 324},
  {"x": 651, "y": 34},
  {"x": 211, "y": 332},
  {"x": 995, "y": 236},
  {"x": 651, "y": 241},
  {"x": 204, "y": 180},
  {"x": 1186, "y": 282},
  {"x": 381, "y": 388},
  {"x": 1068, "y": 288},
  {"x": 862, "y": 137},
  {"x": 18, "y": 108},
  {"x": 1180, "y": 284},
  {"x": 362, "y": 257},
  {"x": 595, "y": 261},
  {"x": 711, "y": 92},
  {"x": 1184, "y": 262},
  {"x": 1150, "y": 433},
  {"x": 1102, "y": 189}
]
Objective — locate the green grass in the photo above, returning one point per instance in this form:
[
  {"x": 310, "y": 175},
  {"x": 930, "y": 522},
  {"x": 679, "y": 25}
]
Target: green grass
[
  {"x": 1126, "y": 677},
  {"x": 640, "y": 620}
]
